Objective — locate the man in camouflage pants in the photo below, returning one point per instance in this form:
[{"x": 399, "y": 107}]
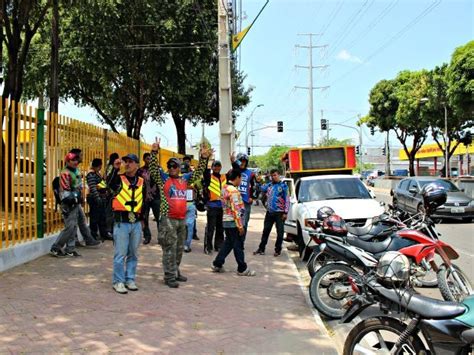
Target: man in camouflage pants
[{"x": 175, "y": 190}]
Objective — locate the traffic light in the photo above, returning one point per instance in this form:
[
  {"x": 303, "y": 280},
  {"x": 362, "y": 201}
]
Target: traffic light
[
  {"x": 248, "y": 150},
  {"x": 324, "y": 124},
  {"x": 372, "y": 130},
  {"x": 358, "y": 150},
  {"x": 280, "y": 126},
  {"x": 384, "y": 151}
]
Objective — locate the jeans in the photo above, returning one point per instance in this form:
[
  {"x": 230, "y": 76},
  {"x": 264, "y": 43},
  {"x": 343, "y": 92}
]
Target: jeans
[
  {"x": 97, "y": 222},
  {"x": 153, "y": 205},
  {"x": 190, "y": 223},
  {"x": 232, "y": 241},
  {"x": 127, "y": 238},
  {"x": 73, "y": 218},
  {"x": 171, "y": 238},
  {"x": 270, "y": 219},
  {"x": 214, "y": 222}
]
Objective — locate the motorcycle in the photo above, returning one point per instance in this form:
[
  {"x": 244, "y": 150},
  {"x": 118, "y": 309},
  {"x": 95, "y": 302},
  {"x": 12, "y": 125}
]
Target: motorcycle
[
  {"x": 445, "y": 327},
  {"x": 330, "y": 290}
]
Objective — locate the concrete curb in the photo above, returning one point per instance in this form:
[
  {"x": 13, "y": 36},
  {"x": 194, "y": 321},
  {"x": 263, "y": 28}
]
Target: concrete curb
[{"x": 25, "y": 252}]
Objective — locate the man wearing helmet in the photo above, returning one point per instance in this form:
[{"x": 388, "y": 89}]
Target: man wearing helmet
[
  {"x": 247, "y": 185},
  {"x": 174, "y": 190}
]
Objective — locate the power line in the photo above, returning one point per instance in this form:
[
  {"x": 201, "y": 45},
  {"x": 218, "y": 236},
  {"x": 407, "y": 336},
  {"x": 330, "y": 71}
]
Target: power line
[
  {"x": 392, "y": 39},
  {"x": 332, "y": 17}
]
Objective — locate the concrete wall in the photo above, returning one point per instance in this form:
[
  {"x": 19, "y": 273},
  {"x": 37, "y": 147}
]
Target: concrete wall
[{"x": 25, "y": 252}]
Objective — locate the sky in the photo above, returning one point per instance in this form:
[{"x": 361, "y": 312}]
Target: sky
[{"x": 364, "y": 41}]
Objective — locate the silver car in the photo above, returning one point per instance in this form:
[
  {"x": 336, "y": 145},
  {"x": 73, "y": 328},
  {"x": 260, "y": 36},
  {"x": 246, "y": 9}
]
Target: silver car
[{"x": 406, "y": 197}]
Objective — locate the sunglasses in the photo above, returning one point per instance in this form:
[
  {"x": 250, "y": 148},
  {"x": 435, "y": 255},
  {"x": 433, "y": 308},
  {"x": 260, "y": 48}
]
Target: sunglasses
[{"x": 172, "y": 166}]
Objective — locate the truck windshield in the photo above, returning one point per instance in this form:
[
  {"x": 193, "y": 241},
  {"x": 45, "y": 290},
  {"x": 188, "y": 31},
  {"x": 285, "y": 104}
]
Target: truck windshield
[{"x": 331, "y": 189}]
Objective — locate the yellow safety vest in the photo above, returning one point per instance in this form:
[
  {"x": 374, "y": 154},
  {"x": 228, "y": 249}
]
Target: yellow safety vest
[
  {"x": 215, "y": 187},
  {"x": 129, "y": 199}
]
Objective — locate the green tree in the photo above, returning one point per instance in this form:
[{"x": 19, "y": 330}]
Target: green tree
[
  {"x": 395, "y": 105},
  {"x": 271, "y": 159},
  {"x": 331, "y": 141},
  {"x": 460, "y": 80}
]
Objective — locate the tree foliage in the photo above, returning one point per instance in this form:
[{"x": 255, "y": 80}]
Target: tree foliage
[{"x": 271, "y": 159}]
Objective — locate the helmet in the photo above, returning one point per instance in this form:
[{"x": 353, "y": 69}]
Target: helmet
[
  {"x": 242, "y": 156},
  {"x": 433, "y": 195},
  {"x": 334, "y": 225},
  {"x": 324, "y": 212},
  {"x": 175, "y": 161},
  {"x": 393, "y": 266}
]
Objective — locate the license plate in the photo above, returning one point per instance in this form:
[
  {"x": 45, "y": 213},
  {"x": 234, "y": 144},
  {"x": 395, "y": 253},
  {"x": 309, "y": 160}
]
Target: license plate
[{"x": 457, "y": 210}]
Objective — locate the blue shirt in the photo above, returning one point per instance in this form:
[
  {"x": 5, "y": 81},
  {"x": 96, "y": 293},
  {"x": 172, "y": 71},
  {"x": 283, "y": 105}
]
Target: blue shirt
[{"x": 278, "y": 199}]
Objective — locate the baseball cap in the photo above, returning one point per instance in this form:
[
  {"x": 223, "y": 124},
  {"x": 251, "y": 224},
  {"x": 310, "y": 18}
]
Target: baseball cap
[
  {"x": 132, "y": 157},
  {"x": 216, "y": 163},
  {"x": 174, "y": 160}
]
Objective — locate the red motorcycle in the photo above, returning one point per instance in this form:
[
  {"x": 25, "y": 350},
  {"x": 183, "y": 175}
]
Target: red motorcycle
[{"x": 349, "y": 256}]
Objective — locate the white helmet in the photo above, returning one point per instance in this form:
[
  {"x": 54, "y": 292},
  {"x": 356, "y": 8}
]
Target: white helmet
[{"x": 393, "y": 266}]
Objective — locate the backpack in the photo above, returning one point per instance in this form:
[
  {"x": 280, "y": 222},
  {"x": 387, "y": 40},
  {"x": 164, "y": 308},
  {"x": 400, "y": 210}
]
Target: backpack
[{"x": 57, "y": 197}]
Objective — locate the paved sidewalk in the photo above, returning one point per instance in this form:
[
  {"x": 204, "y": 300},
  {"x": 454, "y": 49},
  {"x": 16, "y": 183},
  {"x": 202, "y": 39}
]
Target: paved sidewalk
[{"x": 55, "y": 305}]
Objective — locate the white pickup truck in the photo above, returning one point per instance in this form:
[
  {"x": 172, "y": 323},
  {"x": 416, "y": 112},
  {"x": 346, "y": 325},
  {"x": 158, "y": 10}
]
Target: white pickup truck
[{"x": 345, "y": 194}]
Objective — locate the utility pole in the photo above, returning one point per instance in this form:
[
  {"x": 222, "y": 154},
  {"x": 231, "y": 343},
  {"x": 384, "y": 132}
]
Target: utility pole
[
  {"x": 387, "y": 150},
  {"x": 226, "y": 129},
  {"x": 310, "y": 88}
]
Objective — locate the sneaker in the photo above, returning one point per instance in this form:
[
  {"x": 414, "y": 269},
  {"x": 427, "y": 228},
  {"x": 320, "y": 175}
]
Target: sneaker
[
  {"x": 187, "y": 249},
  {"x": 73, "y": 254},
  {"x": 172, "y": 283},
  {"x": 57, "y": 253},
  {"x": 207, "y": 252},
  {"x": 195, "y": 237},
  {"x": 79, "y": 244},
  {"x": 181, "y": 278},
  {"x": 277, "y": 253},
  {"x": 258, "y": 252},
  {"x": 131, "y": 285},
  {"x": 217, "y": 269},
  {"x": 247, "y": 272},
  {"x": 92, "y": 243},
  {"x": 146, "y": 240},
  {"x": 119, "y": 287}
]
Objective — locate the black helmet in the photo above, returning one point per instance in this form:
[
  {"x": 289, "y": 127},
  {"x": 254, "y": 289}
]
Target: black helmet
[
  {"x": 434, "y": 196},
  {"x": 324, "y": 212},
  {"x": 242, "y": 156},
  {"x": 334, "y": 225}
]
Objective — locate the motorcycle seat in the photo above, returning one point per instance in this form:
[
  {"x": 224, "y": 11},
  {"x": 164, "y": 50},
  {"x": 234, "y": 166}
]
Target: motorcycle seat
[
  {"x": 371, "y": 247},
  {"x": 426, "y": 307},
  {"x": 359, "y": 231}
]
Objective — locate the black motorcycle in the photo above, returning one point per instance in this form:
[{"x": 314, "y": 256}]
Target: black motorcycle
[{"x": 412, "y": 324}]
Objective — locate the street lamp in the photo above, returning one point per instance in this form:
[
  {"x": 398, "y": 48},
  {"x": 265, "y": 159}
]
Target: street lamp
[
  {"x": 424, "y": 100},
  {"x": 246, "y": 126}
]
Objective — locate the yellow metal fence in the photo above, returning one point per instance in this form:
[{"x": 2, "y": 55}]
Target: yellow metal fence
[{"x": 20, "y": 174}]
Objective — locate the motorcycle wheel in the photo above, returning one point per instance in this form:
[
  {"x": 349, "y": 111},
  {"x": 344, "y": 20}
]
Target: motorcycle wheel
[
  {"x": 324, "y": 289},
  {"x": 448, "y": 285},
  {"x": 378, "y": 336},
  {"x": 316, "y": 261}
]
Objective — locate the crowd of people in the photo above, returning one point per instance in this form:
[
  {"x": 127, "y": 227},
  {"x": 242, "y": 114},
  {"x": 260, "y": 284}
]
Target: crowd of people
[{"x": 120, "y": 205}]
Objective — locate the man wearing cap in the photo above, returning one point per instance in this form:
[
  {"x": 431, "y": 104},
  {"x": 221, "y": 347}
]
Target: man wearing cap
[
  {"x": 173, "y": 189},
  {"x": 129, "y": 192},
  {"x": 70, "y": 192},
  {"x": 213, "y": 183}
]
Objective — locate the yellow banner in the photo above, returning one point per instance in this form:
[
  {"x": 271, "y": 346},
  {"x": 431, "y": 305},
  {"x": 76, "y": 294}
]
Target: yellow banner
[
  {"x": 237, "y": 38},
  {"x": 432, "y": 150}
]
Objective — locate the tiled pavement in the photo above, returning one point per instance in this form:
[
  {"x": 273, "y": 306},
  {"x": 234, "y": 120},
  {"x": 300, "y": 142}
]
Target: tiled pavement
[{"x": 68, "y": 306}]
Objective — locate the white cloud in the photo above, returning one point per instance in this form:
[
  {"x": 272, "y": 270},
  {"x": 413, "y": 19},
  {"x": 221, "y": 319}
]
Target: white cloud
[{"x": 346, "y": 56}]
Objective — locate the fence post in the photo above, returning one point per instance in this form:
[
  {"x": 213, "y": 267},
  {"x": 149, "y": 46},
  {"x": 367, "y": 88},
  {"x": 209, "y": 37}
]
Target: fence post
[
  {"x": 105, "y": 147},
  {"x": 39, "y": 164}
]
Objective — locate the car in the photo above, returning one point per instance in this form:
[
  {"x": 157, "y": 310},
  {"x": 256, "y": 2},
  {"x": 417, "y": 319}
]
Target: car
[
  {"x": 406, "y": 197},
  {"x": 345, "y": 194}
]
